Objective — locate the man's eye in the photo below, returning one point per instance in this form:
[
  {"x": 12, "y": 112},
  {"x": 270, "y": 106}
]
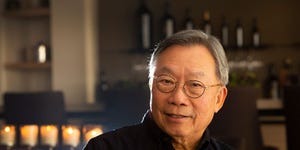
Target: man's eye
[
  {"x": 195, "y": 85},
  {"x": 166, "y": 81}
]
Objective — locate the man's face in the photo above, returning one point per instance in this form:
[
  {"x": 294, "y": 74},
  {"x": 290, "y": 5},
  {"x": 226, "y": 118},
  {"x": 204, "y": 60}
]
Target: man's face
[{"x": 176, "y": 113}]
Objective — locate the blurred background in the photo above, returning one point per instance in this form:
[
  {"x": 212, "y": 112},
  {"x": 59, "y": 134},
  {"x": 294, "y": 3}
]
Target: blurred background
[{"x": 95, "y": 53}]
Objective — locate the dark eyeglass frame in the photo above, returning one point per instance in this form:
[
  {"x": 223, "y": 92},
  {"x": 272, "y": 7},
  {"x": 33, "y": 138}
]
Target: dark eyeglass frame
[{"x": 184, "y": 89}]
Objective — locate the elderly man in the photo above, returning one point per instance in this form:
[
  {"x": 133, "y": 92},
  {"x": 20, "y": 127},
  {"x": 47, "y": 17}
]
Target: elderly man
[{"x": 188, "y": 73}]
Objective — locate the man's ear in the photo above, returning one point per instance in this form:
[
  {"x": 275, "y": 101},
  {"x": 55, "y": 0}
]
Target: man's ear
[{"x": 221, "y": 98}]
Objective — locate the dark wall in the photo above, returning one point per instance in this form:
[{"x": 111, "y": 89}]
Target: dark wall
[{"x": 278, "y": 22}]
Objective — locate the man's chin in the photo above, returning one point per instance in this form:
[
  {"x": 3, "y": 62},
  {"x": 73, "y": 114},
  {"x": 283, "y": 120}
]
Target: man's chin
[{"x": 178, "y": 133}]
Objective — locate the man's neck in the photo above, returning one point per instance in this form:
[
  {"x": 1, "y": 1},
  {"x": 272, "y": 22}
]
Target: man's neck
[{"x": 184, "y": 144}]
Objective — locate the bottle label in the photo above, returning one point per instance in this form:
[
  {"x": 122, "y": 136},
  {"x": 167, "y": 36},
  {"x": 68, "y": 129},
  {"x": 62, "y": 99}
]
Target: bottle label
[
  {"x": 146, "y": 42},
  {"x": 207, "y": 29},
  {"x": 256, "y": 39},
  {"x": 274, "y": 90},
  {"x": 41, "y": 54},
  {"x": 239, "y": 37},
  {"x": 225, "y": 36},
  {"x": 189, "y": 25},
  {"x": 169, "y": 27}
]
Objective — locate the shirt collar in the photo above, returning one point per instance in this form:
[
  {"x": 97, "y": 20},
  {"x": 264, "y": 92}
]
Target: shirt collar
[
  {"x": 204, "y": 142},
  {"x": 155, "y": 131},
  {"x": 161, "y": 136}
]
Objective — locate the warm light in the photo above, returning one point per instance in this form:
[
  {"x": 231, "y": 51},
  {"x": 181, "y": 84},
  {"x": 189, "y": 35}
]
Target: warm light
[
  {"x": 70, "y": 131},
  {"x": 71, "y": 135},
  {"x": 49, "y": 135},
  {"x": 29, "y": 134},
  {"x": 91, "y": 131},
  {"x": 7, "y": 135},
  {"x": 7, "y": 129},
  {"x": 42, "y": 53}
]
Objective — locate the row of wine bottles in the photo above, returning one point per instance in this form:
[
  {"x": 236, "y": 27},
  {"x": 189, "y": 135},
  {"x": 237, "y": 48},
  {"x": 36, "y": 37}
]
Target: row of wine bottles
[
  {"x": 21, "y": 4},
  {"x": 277, "y": 77},
  {"x": 145, "y": 24}
]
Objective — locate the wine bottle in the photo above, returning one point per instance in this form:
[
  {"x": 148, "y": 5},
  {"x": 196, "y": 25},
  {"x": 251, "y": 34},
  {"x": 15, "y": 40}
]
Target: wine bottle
[
  {"x": 224, "y": 33},
  {"x": 12, "y": 5},
  {"x": 239, "y": 30},
  {"x": 145, "y": 26},
  {"x": 168, "y": 22},
  {"x": 284, "y": 72},
  {"x": 188, "y": 22},
  {"x": 284, "y": 75},
  {"x": 255, "y": 34},
  {"x": 207, "y": 27},
  {"x": 271, "y": 85}
]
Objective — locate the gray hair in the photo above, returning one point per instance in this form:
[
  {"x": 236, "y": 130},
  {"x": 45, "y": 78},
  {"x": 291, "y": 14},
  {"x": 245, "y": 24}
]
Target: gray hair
[{"x": 194, "y": 37}]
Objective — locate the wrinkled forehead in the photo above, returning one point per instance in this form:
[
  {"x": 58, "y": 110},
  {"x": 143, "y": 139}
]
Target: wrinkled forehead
[
  {"x": 156, "y": 54},
  {"x": 158, "y": 51},
  {"x": 192, "y": 60}
]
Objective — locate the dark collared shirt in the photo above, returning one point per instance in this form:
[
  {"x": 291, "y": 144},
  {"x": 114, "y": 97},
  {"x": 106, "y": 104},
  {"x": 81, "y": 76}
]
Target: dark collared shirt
[{"x": 146, "y": 136}]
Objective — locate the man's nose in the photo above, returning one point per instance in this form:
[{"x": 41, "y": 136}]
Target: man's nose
[{"x": 178, "y": 96}]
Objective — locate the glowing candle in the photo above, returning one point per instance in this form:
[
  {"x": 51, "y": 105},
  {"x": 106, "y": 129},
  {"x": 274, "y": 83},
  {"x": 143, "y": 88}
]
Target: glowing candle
[
  {"x": 29, "y": 134},
  {"x": 71, "y": 135},
  {"x": 49, "y": 135},
  {"x": 91, "y": 131},
  {"x": 41, "y": 53},
  {"x": 7, "y": 135}
]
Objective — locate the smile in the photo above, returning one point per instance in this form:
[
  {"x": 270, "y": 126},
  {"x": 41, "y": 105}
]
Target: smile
[
  {"x": 176, "y": 115},
  {"x": 176, "y": 118}
]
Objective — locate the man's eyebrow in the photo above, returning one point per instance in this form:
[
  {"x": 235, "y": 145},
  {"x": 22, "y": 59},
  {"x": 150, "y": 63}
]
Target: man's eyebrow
[
  {"x": 192, "y": 73},
  {"x": 197, "y": 74},
  {"x": 165, "y": 70}
]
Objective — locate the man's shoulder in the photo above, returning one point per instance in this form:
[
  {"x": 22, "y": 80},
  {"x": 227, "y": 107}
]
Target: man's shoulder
[
  {"x": 123, "y": 132},
  {"x": 122, "y": 138}
]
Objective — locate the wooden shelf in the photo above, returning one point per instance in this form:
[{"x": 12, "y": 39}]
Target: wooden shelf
[
  {"x": 28, "y": 66},
  {"x": 263, "y": 47},
  {"x": 28, "y": 13},
  {"x": 269, "y": 104}
]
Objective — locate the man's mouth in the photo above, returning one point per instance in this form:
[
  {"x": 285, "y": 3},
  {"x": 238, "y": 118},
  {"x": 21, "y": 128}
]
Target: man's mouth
[{"x": 176, "y": 115}]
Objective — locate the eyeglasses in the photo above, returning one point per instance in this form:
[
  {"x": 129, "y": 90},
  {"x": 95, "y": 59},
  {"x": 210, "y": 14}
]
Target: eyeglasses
[{"x": 192, "y": 88}]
